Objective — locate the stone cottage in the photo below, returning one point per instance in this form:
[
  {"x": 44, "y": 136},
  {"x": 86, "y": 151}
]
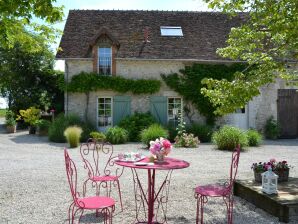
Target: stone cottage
[{"x": 145, "y": 44}]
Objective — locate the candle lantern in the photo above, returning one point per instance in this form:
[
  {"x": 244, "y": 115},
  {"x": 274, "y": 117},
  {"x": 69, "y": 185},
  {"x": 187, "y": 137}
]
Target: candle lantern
[{"x": 269, "y": 182}]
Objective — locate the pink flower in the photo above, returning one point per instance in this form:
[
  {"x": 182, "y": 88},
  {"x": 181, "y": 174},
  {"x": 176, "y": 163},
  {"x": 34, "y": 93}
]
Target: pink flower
[
  {"x": 272, "y": 160},
  {"x": 166, "y": 144},
  {"x": 267, "y": 167}
]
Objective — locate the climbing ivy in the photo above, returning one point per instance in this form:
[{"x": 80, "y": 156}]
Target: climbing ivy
[
  {"x": 86, "y": 82},
  {"x": 189, "y": 84}
]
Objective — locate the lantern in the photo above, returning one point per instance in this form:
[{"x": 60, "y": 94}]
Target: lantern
[{"x": 269, "y": 182}]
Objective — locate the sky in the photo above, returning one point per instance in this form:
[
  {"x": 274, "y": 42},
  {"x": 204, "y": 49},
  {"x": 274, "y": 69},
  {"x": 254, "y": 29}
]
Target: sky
[{"x": 181, "y": 5}]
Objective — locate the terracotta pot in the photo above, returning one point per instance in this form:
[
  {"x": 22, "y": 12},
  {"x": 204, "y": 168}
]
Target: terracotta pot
[
  {"x": 11, "y": 129},
  {"x": 283, "y": 175}
]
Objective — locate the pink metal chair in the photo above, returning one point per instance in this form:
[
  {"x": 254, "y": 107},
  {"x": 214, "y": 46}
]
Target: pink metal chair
[
  {"x": 99, "y": 161},
  {"x": 225, "y": 191},
  {"x": 103, "y": 205}
]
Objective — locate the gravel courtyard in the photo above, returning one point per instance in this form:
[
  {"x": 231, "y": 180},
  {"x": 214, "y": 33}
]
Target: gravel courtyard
[{"x": 34, "y": 188}]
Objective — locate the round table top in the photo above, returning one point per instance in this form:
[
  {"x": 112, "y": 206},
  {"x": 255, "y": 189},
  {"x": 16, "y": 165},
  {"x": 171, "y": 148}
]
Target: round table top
[{"x": 167, "y": 164}]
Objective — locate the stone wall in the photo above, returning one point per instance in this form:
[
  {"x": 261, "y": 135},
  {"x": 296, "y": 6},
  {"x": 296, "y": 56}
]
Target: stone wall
[{"x": 256, "y": 114}]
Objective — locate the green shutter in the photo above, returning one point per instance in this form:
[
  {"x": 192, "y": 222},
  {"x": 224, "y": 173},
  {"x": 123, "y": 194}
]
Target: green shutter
[
  {"x": 121, "y": 108},
  {"x": 158, "y": 108}
]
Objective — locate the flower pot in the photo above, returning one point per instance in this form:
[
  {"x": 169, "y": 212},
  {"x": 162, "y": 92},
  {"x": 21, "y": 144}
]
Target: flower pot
[
  {"x": 283, "y": 175},
  {"x": 160, "y": 158},
  {"x": 32, "y": 130},
  {"x": 11, "y": 128}
]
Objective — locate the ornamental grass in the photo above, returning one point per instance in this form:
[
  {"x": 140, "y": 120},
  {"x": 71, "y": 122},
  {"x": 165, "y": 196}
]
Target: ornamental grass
[{"x": 73, "y": 135}]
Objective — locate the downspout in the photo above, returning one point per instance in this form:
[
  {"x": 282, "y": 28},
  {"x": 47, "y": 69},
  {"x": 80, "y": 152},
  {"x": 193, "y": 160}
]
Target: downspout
[{"x": 66, "y": 93}]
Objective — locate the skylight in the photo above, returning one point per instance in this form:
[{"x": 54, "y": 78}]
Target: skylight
[{"x": 173, "y": 31}]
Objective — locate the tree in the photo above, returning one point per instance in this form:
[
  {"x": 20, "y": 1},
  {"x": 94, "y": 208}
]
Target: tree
[
  {"x": 267, "y": 42},
  {"x": 16, "y": 18},
  {"x": 27, "y": 78}
]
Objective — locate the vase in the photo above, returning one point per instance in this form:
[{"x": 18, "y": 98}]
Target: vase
[
  {"x": 160, "y": 158},
  {"x": 283, "y": 175}
]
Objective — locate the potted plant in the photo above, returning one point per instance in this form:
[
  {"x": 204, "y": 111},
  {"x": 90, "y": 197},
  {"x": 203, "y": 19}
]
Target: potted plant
[
  {"x": 160, "y": 148},
  {"x": 10, "y": 122},
  {"x": 281, "y": 168},
  {"x": 31, "y": 116},
  {"x": 43, "y": 127}
]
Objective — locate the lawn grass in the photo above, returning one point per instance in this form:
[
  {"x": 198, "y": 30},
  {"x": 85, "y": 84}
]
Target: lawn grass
[{"x": 2, "y": 112}]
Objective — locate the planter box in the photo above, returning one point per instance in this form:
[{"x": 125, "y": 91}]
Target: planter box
[
  {"x": 11, "y": 129},
  {"x": 283, "y": 175}
]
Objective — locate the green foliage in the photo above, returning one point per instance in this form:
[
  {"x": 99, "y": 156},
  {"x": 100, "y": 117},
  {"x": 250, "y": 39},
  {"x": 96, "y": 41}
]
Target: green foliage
[
  {"x": 187, "y": 141},
  {"x": 28, "y": 79},
  {"x": 117, "y": 135},
  {"x": 153, "y": 132},
  {"x": 98, "y": 136},
  {"x": 267, "y": 41},
  {"x": 73, "y": 135},
  {"x": 30, "y": 116},
  {"x": 254, "y": 137},
  {"x": 3, "y": 112},
  {"x": 135, "y": 124},
  {"x": 86, "y": 82},
  {"x": 272, "y": 128},
  {"x": 172, "y": 130},
  {"x": 203, "y": 132},
  {"x": 43, "y": 125},
  {"x": 18, "y": 16},
  {"x": 61, "y": 122},
  {"x": 190, "y": 83},
  {"x": 228, "y": 137}
]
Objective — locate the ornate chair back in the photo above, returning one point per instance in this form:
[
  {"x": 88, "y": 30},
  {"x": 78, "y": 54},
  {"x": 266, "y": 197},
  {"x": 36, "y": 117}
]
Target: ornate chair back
[
  {"x": 98, "y": 159},
  {"x": 71, "y": 172},
  {"x": 234, "y": 166}
]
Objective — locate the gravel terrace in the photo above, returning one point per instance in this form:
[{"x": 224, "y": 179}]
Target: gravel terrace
[{"x": 34, "y": 188}]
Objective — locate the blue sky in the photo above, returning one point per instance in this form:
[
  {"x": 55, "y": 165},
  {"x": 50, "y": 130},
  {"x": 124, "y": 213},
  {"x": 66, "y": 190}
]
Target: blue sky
[{"x": 181, "y": 5}]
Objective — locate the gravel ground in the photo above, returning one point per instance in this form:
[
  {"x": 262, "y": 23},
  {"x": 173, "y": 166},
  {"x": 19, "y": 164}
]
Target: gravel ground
[{"x": 34, "y": 188}]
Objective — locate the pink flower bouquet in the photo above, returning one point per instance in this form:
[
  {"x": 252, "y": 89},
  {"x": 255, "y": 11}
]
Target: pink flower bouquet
[{"x": 160, "y": 146}]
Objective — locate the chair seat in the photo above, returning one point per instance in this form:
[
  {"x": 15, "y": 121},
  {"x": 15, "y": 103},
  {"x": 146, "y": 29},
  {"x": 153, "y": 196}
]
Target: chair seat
[
  {"x": 95, "y": 202},
  {"x": 212, "y": 190},
  {"x": 104, "y": 178}
]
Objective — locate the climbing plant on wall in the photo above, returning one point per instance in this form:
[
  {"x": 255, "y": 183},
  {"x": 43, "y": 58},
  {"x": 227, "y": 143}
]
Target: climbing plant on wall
[
  {"x": 189, "y": 83},
  {"x": 87, "y": 82}
]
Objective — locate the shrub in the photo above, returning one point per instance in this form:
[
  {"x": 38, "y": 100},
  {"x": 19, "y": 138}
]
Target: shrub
[
  {"x": 153, "y": 132},
  {"x": 228, "y": 137},
  {"x": 272, "y": 129},
  {"x": 43, "y": 126},
  {"x": 73, "y": 135},
  {"x": 61, "y": 122},
  {"x": 187, "y": 140},
  {"x": 98, "y": 136},
  {"x": 254, "y": 138},
  {"x": 203, "y": 132},
  {"x": 10, "y": 118},
  {"x": 31, "y": 115},
  {"x": 135, "y": 124},
  {"x": 116, "y": 135}
]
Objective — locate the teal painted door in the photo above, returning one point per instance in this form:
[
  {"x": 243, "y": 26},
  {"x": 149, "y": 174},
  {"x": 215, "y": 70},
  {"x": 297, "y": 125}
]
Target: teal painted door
[
  {"x": 158, "y": 108},
  {"x": 121, "y": 108}
]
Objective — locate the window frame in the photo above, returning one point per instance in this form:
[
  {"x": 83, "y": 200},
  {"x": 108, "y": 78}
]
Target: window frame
[
  {"x": 174, "y": 97},
  {"x": 169, "y": 28},
  {"x": 111, "y": 60},
  {"x": 97, "y": 112}
]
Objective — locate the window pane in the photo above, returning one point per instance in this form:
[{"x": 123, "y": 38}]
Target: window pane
[{"x": 104, "y": 60}]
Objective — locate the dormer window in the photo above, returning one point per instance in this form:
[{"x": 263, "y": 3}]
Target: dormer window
[
  {"x": 172, "y": 31},
  {"x": 104, "y": 60}
]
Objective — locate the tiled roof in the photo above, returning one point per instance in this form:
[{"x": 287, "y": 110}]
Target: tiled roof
[{"x": 203, "y": 33}]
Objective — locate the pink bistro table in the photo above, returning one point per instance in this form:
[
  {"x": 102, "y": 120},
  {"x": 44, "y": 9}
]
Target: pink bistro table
[{"x": 151, "y": 197}]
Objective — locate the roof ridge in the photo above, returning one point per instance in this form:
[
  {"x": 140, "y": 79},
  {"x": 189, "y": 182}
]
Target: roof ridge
[{"x": 144, "y": 10}]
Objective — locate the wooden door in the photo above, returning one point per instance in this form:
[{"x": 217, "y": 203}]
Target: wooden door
[{"x": 287, "y": 112}]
